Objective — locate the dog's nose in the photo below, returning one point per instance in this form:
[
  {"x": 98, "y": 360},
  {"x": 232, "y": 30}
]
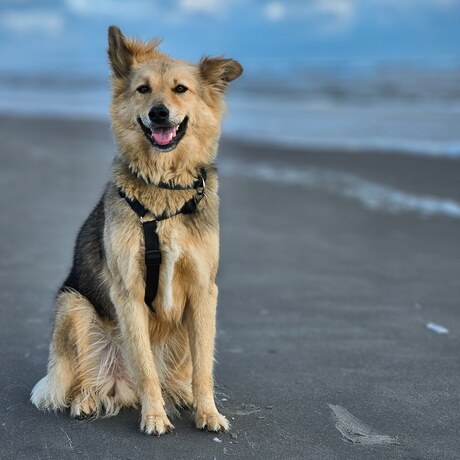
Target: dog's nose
[{"x": 159, "y": 113}]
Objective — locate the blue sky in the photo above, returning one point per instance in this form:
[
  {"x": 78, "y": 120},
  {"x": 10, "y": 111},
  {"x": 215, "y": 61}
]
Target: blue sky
[{"x": 41, "y": 35}]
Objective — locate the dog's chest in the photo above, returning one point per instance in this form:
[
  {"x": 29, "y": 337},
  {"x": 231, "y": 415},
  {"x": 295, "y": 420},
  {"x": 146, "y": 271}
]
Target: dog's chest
[
  {"x": 171, "y": 254},
  {"x": 177, "y": 270}
]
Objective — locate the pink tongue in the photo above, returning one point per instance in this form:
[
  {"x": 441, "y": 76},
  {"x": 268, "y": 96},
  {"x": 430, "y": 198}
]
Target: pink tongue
[{"x": 163, "y": 136}]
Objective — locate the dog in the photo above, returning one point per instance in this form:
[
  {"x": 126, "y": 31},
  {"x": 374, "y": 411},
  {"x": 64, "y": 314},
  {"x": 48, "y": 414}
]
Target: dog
[{"x": 131, "y": 330}]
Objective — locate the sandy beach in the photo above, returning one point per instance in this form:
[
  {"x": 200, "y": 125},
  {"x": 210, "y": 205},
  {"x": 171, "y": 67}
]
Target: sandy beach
[{"x": 332, "y": 265}]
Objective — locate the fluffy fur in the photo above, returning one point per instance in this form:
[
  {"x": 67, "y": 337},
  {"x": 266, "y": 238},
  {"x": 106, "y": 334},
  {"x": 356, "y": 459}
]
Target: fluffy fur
[{"x": 108, "y": 350}]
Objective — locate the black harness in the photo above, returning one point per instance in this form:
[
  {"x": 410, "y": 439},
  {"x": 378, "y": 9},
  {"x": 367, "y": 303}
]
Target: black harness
[{"x": 151, "y": 240}]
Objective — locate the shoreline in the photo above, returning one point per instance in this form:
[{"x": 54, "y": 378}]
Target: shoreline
[
  {"x": 425, "y": 176},
  {"x": 312, "y": 147},
  {"x": 426, "y": 149}
]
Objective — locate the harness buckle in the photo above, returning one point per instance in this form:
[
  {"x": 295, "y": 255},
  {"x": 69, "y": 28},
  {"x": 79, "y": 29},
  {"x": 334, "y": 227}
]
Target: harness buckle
[
  {"x": 153, "y": 257},
  {"x": 200, "y": 190}
]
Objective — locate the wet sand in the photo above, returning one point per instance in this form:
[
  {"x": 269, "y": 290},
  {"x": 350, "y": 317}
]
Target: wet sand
[{"x": 325, "y": 293}]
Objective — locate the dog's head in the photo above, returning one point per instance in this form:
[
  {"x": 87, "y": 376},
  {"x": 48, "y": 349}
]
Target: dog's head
[{"x": 163, "y": 106}]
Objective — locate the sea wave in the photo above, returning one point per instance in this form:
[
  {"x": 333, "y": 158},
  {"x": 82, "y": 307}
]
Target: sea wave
[
  {"x": 355, "y": 116},
  {"x": 371, "y": 195}
]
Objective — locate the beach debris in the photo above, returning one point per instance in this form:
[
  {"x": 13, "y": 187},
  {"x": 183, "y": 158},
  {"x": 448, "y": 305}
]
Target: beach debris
[
  {"x": 246, "y": 409},
  {"x": 354, "y": 430},
  {"x": 437, "y": 328},
  {"x": 216, "y": 439},
  {"x": 234, "y": 350}
]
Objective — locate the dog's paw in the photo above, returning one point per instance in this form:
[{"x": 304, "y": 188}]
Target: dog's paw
[
  {"x": 83, "y": 406},
  {"x": 156, "y": 424},
  {"x": 211, "y": 420}
]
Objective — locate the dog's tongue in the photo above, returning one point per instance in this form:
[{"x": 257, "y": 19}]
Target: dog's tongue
[{"x": 163, "y": 136}]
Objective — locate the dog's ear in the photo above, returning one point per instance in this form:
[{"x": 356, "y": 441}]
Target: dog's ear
[
  {"x": 120, "y": 55},
  {"x": 219, "y": 72}
]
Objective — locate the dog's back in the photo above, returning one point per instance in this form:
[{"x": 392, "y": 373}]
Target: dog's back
[{"x": 86, "y": 275}]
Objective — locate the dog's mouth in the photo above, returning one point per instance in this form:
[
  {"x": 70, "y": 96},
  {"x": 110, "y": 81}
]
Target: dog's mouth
[{"x": 164, "y": 137}]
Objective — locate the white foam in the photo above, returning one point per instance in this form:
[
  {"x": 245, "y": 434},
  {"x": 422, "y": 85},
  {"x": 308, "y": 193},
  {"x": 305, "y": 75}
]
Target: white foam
[
  {"x": 371, "y": 195},
  {"x": 413, "y": 129}
]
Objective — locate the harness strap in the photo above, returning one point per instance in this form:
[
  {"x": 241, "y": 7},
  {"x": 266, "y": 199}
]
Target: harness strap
[
  {"x": 197, "y": 184},
  {"x": 152, "y": 255},
  {"x": 168, "y": 186},
  {"x": 152, "y": 261}
]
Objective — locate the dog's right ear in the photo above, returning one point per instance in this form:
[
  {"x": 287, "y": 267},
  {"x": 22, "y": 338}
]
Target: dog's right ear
[{"x": 120, "y": 55}]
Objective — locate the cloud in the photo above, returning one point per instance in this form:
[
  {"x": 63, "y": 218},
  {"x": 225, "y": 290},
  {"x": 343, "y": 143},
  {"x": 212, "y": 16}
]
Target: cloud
[
  {"x": 275, "y": 11},
  {"x": 139, "y": 9},
  {"x": 30, "y": 22},
  {"x": 211, "y": 7},
  {"x": 214, "y": 8},
  {"x": 407, "y": 4},
  {"x": 338, "y": 8},
  {"x": 134, "y": 8},
  {"x": 335, "y": 15},
  {"x": 328, "y": 16}
]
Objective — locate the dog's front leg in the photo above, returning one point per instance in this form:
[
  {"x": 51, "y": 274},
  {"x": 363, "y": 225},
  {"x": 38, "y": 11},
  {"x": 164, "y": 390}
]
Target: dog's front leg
[
  {"x": 201, "y": 322},
  {"x": 133, "y": 317}
]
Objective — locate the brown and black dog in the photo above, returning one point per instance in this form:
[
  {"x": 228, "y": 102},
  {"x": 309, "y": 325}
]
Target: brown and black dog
[{"x": 110, "y": 349}]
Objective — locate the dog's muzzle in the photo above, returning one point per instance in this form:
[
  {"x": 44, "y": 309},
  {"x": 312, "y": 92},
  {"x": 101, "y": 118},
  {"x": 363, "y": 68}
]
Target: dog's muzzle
[{"x": 163, "y": 136}]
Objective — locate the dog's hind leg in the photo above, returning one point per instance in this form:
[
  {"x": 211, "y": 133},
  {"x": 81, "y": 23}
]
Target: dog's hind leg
[
  {"x": 102, "y": 384},
  {"x": 85, "y": 370},
  {"x": 52, "y": 391},
  {"x": 89, "y": 345}
]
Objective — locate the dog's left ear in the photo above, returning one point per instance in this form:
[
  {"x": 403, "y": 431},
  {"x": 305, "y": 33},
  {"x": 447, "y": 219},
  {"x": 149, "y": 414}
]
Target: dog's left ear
[
  {"x": 120, "y": 55},
  {"x": 219, "y": 72}
]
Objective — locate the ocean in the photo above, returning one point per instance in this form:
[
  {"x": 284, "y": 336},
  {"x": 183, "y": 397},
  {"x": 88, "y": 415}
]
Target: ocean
[{"x": 409, "y": 107}]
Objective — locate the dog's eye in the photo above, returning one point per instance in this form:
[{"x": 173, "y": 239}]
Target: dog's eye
[
  {"x": 144, "y": 89},
  {"x": 180, "y": 89}
]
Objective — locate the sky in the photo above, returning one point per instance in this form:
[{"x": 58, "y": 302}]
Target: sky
[{"x": 38, "y": 36}]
